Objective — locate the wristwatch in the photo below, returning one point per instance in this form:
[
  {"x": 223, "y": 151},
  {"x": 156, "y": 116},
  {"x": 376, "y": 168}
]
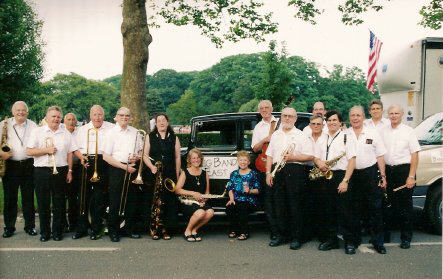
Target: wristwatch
[
  {"x": 411, "y": 176},
  {"x": 345, "y": 180},
  {"x": 268, "y": 172}
]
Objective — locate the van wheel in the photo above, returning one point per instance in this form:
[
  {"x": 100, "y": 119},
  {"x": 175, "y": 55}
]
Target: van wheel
[{"x": 433, "y": 209}]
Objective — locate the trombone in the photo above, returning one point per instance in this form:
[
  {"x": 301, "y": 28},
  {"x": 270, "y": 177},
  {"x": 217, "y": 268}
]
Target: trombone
[
  {"x": 49, "y": 142},
  {"x": 127, "y": 180},
  {"x": 95, "y": 177}
]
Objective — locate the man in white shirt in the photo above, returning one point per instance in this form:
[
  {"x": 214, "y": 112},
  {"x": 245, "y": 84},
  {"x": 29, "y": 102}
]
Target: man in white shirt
[
  {"x": 52, "y": 149},
  {"x": 318, "y": 109},
  {"x": 70, "y": 124},
  {"x": 367, "y": 190},
  {"x": 402, "y": 160},
  {"x": 91, "y": 193},
  {"x": 121, "y": 152},
  {"x": 334, "y": 196},
  {"x": 377, "y": 120},
  {"x": 19, "y": 169},
  {"x": 292, "y": 147},
  {"x": 261, "y": 135}
]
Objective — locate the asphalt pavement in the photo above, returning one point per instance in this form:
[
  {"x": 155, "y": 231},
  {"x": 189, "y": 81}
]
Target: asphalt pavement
[{"x": 217, "y": 256}]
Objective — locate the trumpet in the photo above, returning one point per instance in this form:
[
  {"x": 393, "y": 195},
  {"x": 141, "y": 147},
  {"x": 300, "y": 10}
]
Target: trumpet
[
  {"x": 127, "y": 179},
  {"x": 281, "y": 163},
  {"x": 49, "y": 142},
  {"x": 95, "y": 177}
]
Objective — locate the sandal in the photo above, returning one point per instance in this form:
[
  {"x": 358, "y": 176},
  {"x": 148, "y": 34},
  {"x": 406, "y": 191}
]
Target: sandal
[
  {"x": 232, "y": 234},
  {"x": 197, "y": 237},
  {"x": 189, "y": 238},
  {"x": 242, "y": 236}
]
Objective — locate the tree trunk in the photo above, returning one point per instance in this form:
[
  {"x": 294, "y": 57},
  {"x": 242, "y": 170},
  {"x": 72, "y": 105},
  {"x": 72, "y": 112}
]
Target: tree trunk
[{"x": 136, "y": 39}]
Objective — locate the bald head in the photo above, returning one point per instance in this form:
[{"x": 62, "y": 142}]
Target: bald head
[
  {"x": 20, "y": 111},
  {"x": 319, "y": 109}
]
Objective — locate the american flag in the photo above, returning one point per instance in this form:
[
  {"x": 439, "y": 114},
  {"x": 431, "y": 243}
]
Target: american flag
[{"x": 374, "y": 53}]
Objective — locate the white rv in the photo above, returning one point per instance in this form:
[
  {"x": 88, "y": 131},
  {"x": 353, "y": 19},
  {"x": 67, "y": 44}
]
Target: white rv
[{"x": 413, "y": 78}]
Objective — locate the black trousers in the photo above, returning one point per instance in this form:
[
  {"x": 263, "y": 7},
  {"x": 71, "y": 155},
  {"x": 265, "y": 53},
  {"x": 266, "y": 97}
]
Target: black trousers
[
  {"x": 18, "y": 174},
  {"x": 71, "y": 199},
  {"x": 267, "y": 197},
  {"x": 50, "y": 188},
  {"x": 131, "y": 214},
  {"x": 93, "y": 197},
  {"x": 289, "y": 186},
  {"x": 401, "y": 201},
  {"x": 311, "y": 205},
  {"x": 238, "y": 216},
  {"x": 367, "y": 195}
]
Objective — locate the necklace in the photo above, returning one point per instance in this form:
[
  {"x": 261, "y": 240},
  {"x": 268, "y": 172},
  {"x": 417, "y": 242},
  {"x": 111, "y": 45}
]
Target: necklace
[{"x": 197, "y": 178}]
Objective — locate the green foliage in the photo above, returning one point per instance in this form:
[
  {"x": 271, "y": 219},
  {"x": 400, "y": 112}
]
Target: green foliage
[
  {"x": 244, "y": 18},
  {"x": 74, "y": 93},
  {"x": 155, "y": 102},
  {"x": 275, "y": 77},
  {"x": 21, "y": 55},
  {"x": 252, "y": 105},
  {"x": 184, "y": 109},
  {"x": 115, "y": 81},
  {"x": 432, "y": 15}
]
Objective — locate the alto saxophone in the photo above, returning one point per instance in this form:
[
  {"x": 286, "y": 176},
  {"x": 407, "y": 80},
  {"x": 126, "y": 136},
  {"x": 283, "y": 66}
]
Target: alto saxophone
[
  {"x": 316, "y": 173},
  {"x": 4, "y": 146},
  {"x": 189, "y": 200}
]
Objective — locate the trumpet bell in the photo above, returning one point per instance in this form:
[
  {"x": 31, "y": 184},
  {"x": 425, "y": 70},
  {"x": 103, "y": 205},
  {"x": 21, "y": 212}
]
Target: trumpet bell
[{"x": 169, "y": 185}]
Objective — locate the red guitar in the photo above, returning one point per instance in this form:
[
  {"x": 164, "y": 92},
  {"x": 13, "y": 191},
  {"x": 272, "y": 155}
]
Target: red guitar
[{"x": 260, "y": 162}]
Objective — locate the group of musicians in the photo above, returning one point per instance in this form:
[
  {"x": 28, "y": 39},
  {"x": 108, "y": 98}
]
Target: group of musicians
[{"x": 360, "y": 175}]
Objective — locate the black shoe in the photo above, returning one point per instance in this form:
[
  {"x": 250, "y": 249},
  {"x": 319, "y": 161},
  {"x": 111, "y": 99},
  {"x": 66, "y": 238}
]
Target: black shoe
[
  {"x": 31, "y": 231},
  {"x": 277, "y": 241},
  {"x": 114, "y": 237},
  {"x": 295, "y": 245},
  {"x": 328, "y": 245},
  {"x": 95, "y": 236},
  {"x": 57, "y": 237},
  {"x": 405, "y": 244},
  {"x": 79, "y": 235},
  {"x": 8, "y": 233},
  {"x": 44, "y": 238},
  {"x": 380, "y": 249},
  {"x": 350, "y": 249},
  {"x": 134, "y": 235}
]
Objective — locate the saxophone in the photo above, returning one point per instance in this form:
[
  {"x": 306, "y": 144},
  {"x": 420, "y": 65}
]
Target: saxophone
[
  {"x": 189, "y": 200},
  {"x": 4, "y": 146},
  {"x": 156, "y": 226},
  {"x": 316, "y": 173}
]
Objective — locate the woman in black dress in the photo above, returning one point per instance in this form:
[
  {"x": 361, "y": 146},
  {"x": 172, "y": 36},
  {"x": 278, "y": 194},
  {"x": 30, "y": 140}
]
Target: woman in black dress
[
  {"x": 164, "y": 146},
  {"x": 193, "y": 182}
]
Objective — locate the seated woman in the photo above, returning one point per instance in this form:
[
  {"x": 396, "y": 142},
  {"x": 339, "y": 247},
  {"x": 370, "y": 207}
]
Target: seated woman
[
  {"x": 193, "y": 182},
  {"x": 243, "y": 187}
]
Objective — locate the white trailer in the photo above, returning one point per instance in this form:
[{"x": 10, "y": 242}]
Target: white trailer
[{"x": 413, "y": 78}]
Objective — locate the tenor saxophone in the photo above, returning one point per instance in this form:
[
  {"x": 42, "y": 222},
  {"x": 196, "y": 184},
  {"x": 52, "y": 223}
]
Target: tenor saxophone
[
  {"x": 4, "y": 146},
  {"x": 316, "y": 173}
]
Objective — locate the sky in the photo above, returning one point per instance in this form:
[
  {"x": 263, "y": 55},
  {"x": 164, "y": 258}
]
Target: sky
[{"x": 83, "y": 36}]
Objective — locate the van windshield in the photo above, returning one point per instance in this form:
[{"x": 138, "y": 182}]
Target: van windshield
[{"x": 430, "y": 131}]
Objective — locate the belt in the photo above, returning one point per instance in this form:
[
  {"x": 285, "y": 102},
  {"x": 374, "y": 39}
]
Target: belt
[
  {"x": 19, "y": 162},
  {"x": 397, "y": 166}
]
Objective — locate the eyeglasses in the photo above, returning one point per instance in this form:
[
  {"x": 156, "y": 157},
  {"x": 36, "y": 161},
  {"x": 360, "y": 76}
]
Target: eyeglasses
[
  {"x": 287, "y": 115},
  {"x": 315, "y": 124}
]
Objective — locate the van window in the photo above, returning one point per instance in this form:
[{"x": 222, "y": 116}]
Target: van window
[{"x": 216, "y": 135}]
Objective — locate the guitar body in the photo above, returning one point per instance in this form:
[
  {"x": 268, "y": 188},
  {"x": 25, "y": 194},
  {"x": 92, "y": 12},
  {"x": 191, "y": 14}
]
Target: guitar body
[{"x": 260, "y": 162}]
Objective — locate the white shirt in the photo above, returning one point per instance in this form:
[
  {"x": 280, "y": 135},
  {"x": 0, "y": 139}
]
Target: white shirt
[
  {"x": 261, "y": 130},
  {"x": 368, "y": 147},
  {"x": 308, "y": 131},
  {"x": 281, "y": 140},
  {"x": 315, "y": 146},
  {"x": 82, "y": 134},
  {"x": 62, "y": 140},
  {"x": 382, "y": 123},
  {"x": 336, "y": 148},
  {"x": 120, "y": 143},
  {"x": 18, "y": 138},
  {"x": 400, "y": 143}
]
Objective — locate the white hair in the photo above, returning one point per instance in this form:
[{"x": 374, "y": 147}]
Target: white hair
[
  {"x": 395, "y": 106},
  {"x": 264, "y": 102},
  {"x": 19, "y": 103}
]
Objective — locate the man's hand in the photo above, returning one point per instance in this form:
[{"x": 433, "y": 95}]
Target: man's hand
[
  {"x": 6, "y": 155},
  {"x": 230, "y": 202},
  {"x": 383, "y": 183},
  {"x": 269, "y": 179},
  {"x": 50, "y": 150},
  {"x": 322, "y": 165},
  {"x": 410, "y": 182},
  {"x": 131, "y": 168},
  {"x": 69, "y": 177},
  {"x": 343, "y": 187}
]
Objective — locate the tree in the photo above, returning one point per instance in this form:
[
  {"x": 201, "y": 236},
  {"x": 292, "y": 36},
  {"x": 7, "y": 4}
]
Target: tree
[
  {"x": 220, "y": 21},
  {"x": 155, "y": 102},
  {"x": 184, "y": 109},
  {"x": 21, "y": 55}
]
